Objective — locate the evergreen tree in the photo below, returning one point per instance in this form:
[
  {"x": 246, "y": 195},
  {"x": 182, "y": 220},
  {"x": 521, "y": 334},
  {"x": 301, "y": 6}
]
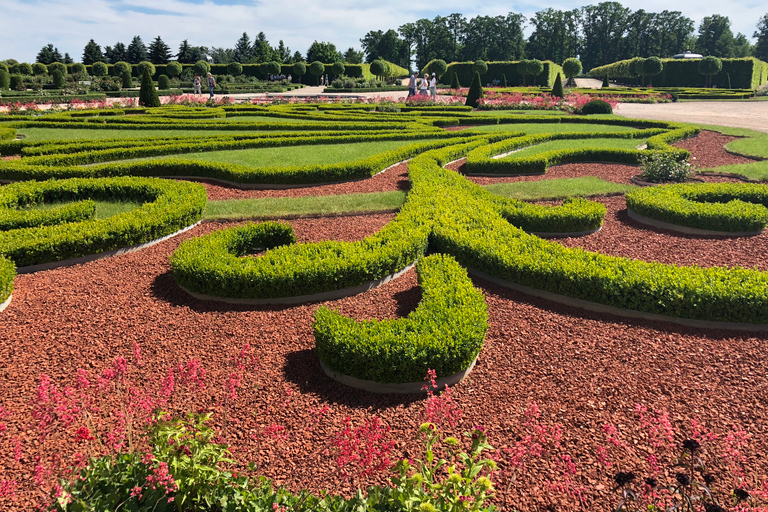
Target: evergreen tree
[
  {"x": 323, "y": 52},
  {"x": 159, "y": 52},
  {"x": 261, "y": 50},
  {"x": 353, "y": 56},
  {"x": 761, "y": 47},
  {"x": 282, "y": 53},
  {"x": 297, "y": 57},
  {"x": 475, "y": 91},
  {"x": 92, "y": 53},
  {"x": 185, "y": 55},
  {"x": 557, "y": 89},
  {"x": 116, "y": 54},
  {"x": 48, "y": 55},
  {"x": 136, "y": 51},
  {"x": 243, "y": 51},
  {"x": 148, "y": 94},
  {"x": 68, "y": 59}
]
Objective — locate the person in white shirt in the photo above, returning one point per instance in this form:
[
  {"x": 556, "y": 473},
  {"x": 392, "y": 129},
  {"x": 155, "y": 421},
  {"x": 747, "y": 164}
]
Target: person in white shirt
[{"x": 433, "y": 87}]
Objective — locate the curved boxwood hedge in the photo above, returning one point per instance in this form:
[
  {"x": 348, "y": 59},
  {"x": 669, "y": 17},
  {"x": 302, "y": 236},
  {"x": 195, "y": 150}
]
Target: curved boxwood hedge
[
  {"x": 7, "y": 273},
  {"x": 168, "y": 207},
  {"x": 72, "y": 212},
  {"x": 7, "y": 133},
  {"x": 731, "y": 207},
  {"x": 445, "y": 332}
]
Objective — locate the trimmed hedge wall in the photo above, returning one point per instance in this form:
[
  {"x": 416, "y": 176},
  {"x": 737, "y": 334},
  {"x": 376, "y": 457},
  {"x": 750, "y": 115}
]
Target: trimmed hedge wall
[
  {"x": 734, "y": 207},
  {"x": 445, "y": 332},
  {"x": 168, "y": 207},
  {"x": 745, "y": 73},
  {"x": 497, "y": 70}
]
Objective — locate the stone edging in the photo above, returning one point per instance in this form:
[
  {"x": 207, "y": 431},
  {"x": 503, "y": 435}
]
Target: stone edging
[
  {"x": 106, "y": 254},
  {"x": 686, "y": 229},
  {"x": 6, "y": 302},
  {"x": 299, "y": 299},
  {"x": 629, "y": 313},
  {"x": 398, "y": 388},
  {"x": 728, "y": 175}
]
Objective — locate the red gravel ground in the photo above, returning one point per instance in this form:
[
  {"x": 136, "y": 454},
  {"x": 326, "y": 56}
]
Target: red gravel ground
[{"x": 582, "y": 369}]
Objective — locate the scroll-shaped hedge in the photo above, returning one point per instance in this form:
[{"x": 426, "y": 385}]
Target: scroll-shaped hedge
[
  {"x": 71, "y": 212},
  {"x": 7, "y": 274},
  {"x": 7, "y": 133},
  {"x": 575, "y": 215},
  {"x": 445, "y": 332},
  {"x": 168, "y": 206},
  {"x": 731, "y": 207}
]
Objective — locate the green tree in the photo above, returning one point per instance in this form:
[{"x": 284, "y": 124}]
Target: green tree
[
  {"x": 173, "y": 69},
  {"x": 68, "y": 59},
  {"x": 57, "y": 66},
  {"x": 48, "y": 55},
  {"x": 24, "y": 68},
  {"x": 571, "y": 68},
  {"x": 475, "y": 91},
  {"x": 117, "y": 53},
  {"x": 761, "y": 47},
  {"x": 243, "y": 51},
  {"x": 39, "y": 69},
  {"x": 121, "y": 67},
  {"x": 317, "y": 68},
  {"x": 494, "y": 38},
  {"x": 201, "y": 68},
  {"x": 381, "y": 45},
  {"x": 136, "y": 51},
  {"x": 439, "y": 67},
  {"x": 185, "y": 54},
  {"x": 159, "y": 52},
  {"x": 92, "y": 53},
  {"x": 235, "y": 68},
  {"x": 379, "y": 68},
  {"x": 5, "y": 79},
  {"x": 352, "y": 56},
  {"x": 163, "y": 82},
  {"x": 338, "y": 68},
  {"x": 322, "y": 52},
  {"x": 652, "y": 66},
  {"x": 741, "y": 46},
  {"x": 99, "y": 69},
  {"x": 148, "y": 94},
  {"x": 270, "y": 68},
  {"x": 603, "y": 26},
  {"x": 262, "y": 51},
  {"x": 480, "y": 67},
  {"x": 555, "y": 35},
  {"x": 282, "y": 53},
  {"x": 709, "y": 66},
  {"x": 715, "y": 37},
  {"x": 299, "y": 69},
  {"x": 557, "y": 89},
  {"x": 146, "y": 65},
  {"x": 535, "y": 68},
  {"x": 58, "y": 79}
]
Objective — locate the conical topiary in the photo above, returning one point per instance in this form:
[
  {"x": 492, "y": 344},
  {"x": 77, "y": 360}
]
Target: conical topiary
[
  {"x": 127, "y": 80},
  {"x": 475, "y": 91},
  {"x": 727, "y": 81},
  {"x": 455, "y": 82},
  {"x": 148, "y": 93},
  {"x": 606, "y": 83},
  {"x": 557, "y": 89},
  {"x": 503, "y": 80}
]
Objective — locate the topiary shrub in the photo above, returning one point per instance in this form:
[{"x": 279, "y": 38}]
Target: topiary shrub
[
  {"x": 727, "y": 82},
  {"x": 148, "y": 94},
  {"x": 57, "y": 66},
  {"x": 4, "y": 67},
  {"x": 99, "y": 69},
  {"x": 606, "y": 83},
  {"x": 638, "y": 65},
  {"x": 652, "y": 66},
  {"x": 709, "y": 66},
  {"x": 475, "y": 91},
  {"x": 480, "y": 67},
  {"x": 299, "y": 69},
  {"x": 439, "y": 67},
  {"x": 24, "y": 69},
  {"x": 596, "y": 107},
  {"x": 338, "y": 68},
  {"x": 173, "y": 69},
  {"x": 58, "y": 79},
  {"x": 503, "y": 80},
  {"x": 78, "y": 68},
  {"x": 146, "y": 65},
  {"x": 163, "y": 82},
  {"x": 201, "y": 68},
  {"x": 127, "y": 79},
  {"x": 317, "y": 68},
  {"x": 571, "y": 68},
  {"x": 270, "y": 68},
  {"x": 17, "y": 82},
  {"x": 121, "y": 67},
  {"x": 39, "y": 69},
  {"x": 455, "y": 81},
  {"x": 557, "y": 89},
  {"x": 535, "y": 68},
  {"x": 235, "y": 68},
  {"x": 379, "y": 68},
  {"x": 5, "y": 79}
]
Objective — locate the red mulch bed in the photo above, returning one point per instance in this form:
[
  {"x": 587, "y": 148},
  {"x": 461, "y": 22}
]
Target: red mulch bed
[{"x": 582, "y": 369}]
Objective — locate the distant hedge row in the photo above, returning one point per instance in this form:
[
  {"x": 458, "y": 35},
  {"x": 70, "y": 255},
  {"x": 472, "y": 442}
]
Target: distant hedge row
[{"x": 496, "y": 70}]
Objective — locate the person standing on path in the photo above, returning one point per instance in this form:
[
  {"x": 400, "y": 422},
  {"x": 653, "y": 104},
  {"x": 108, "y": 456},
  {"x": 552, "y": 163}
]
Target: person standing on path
[
  {"x": 211, "y": 84},
  {"x": 433, "y": 87},
  {"x": 423, "y": 86},
  {"x": 412, "y": 84},
  {"x": 196, "y": 84}
]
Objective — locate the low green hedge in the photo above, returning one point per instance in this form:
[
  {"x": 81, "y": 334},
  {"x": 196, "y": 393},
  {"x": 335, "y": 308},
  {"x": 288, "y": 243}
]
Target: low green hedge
[
  {"x": 732, "y": 207},
  {"x": 43, "y": 100},
  {"x": 7, "y": 133},
  {"x": 385, "y": 88},
  {"x": 445, "y": 332},
  {"x": 168, "y": 207},
  {"x": 71, "y": 212},
  {"x": 575, "y": 215},
  {"x": 7, "y": 274}
]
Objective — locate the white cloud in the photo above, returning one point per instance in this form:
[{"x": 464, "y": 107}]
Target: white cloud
[{"x": 68, "y": 25}]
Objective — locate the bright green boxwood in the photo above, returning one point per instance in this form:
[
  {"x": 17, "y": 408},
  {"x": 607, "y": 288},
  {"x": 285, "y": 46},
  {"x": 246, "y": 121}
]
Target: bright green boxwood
[
  {"x": 7, "y": 133},
  {"x": 168, "y": 207},
  {"x": 7, "y": 274},
  {"x": 70, "y": 212},
  {"x": 733, "y": 207},
  {"x": 445, "y": 332}
]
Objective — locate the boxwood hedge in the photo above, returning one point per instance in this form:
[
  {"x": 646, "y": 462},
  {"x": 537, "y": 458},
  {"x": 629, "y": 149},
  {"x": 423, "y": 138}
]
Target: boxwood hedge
[
  {"x": 445, "y": 332},
  {"x": 168, "y": 206},
  {"x": 7, "y": 273},
  {"x": 733, "y": 207}
]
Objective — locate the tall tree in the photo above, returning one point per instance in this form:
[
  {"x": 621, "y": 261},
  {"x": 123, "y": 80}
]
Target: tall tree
[
  {"x": 185, "y": 53},
  {"x": 555, "y": 35},
  {"x": 262, "y": 51},
  {"x": 68, "y": 59},
  {"x": 48, "y": 55},
  {"x": 159, "y": 52},
  {"x": 323, "y": 52},
  {"x": 408, "y": 34},
  {"x": 381, "y": 45},
  {"x": 604, "y": 26},
  {"x": 92, "y": 53},
  {"x": 297, "y": 57},
  {"x": 639, "y": 41},
  {"x": 457, "y": 26},
  {"x": 282, "y": 53},
  {"x": 741, "y": 46},
  {"x": 672, "y": 32},
  {"x": 352, "y": 56},
  {"x": 243, "y": 51},
  {"x": 715, "y": 36},
  {"x": 116, "y": 53},
  {"x": 761, "y": 47},
  {"x": 136, "y": 51}
]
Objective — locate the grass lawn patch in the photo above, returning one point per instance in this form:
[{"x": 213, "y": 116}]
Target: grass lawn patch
[
  {"x": 757, "y": 171},
  {"x": 558, "y": 188},
  {"x": 577, "y": 144},
  {"x": 104, "y": 209}
]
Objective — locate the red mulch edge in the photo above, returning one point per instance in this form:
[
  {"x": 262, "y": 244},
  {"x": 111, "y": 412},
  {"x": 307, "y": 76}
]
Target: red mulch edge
[{"x": 582, "y": 369}]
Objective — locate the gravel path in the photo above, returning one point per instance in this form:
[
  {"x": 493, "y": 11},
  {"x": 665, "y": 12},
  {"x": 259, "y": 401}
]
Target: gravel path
[{"x": 738, "y": 114}]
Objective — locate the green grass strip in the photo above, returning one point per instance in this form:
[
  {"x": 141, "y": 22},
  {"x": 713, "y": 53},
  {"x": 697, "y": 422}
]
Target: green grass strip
[{"x": 558, "y": 188}]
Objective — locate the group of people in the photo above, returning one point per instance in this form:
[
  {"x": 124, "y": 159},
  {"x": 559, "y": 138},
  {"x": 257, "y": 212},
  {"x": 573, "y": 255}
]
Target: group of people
[
  {"x": 197, "y": 83},
  {"x": 275, "y": 78},
  {"x": 427, "y": 84}
]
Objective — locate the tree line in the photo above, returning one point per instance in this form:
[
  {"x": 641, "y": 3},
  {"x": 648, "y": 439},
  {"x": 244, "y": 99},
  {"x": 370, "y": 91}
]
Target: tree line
[{"x": 597, "y": 34}]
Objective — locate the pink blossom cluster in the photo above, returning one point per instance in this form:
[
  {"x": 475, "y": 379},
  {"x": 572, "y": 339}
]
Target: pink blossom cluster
[{"x": 365, "y": 449}]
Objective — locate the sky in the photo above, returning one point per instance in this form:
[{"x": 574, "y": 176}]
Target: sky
[{"x": 28, "y": 25}]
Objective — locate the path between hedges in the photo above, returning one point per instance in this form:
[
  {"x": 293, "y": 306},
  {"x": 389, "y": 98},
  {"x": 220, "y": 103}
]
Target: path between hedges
[{"x": 737, "y": 114}]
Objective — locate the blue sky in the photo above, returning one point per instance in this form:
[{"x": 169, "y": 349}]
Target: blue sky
[{"x": 28, "y": 25}]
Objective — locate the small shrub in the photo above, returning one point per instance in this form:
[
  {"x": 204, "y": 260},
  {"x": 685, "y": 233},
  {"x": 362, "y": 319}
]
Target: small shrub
[
  {"x": 163, "y": 82},
  {"x": 235, "y": 68},
  {"x": 201, "y": 68},
  {"x": 121, "y": 67},
  {"x": 455, "y": 82},
  {"x": 606, "y": 83},
  {"x": 57, "y": 66},
  {"x": 174, "y": 69},
  {"x": 663, "y": 167},
  {"x": 24, "y": 69},
  {"x": 99, "y": 69},
  {"x": 475, "y": 91},
  {"x": 503, "y": 80},
  {"x": 480, "y": 67},
  {"x": 317, "y": 68},
  {"x": 5, "y": 79},
  {"x": 79, "y": 69},
  {"x": 300, "y": 69},
  {"x": 148, "y": 94},
  {"x": 127, "y": 79},
  {"x": 557, "y": 89},
  {"x": 39, "y": 69},
  {"x": 439, "y": 67},
  {"x": 709, "y": 66},
  {"x": 338, "y": 68},
  {"x": 379, "y": 68},
  {"x": 727, "y": 82},
  {"x": 16, "y": 83},
  {"x": 146, "y": 65},
  {"x": 58, "y": 79},
  {"x": 596, "y": 107},
  {"x": 571, "y": 68}
]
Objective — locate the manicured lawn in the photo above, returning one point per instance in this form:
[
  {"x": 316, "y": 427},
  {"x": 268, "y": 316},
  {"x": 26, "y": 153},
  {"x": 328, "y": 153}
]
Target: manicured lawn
[
  {"x": 756, "y": 171},
  {"x": 104, "y": 209},
  {"x": 534, "y": 128},
  {"x": 558, "y": 188},
  {"x": 576, "y": 144}
]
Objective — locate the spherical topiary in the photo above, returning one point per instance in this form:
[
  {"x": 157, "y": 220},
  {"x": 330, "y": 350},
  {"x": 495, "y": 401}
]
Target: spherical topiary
[
  {"x": 316, "y": 68},
  {"x": 127, "y": 79},
  {"x": 148, "y": 94},
  {"x": 39, "y": 69},
  {"x": 24, "y": 69},
  {"x": 379, "y": 68},
  {"x": 173, "y": 69},
  {"x": 58, "y": 79},
  {"x": 201, "y": 68},
  {"x": 535, "y": 68},
  {"x": 338, "y": 68},
  {"x": 475, "y": 91},
  {"x": 270, "y": 68},
  {"x": 652, "y": 66},
  {"x": 299, "y": 69},
  {"x": 439, "y": 67},
  {"x": 145, "y": 64},
  {"x": 480, "y": 67},
  {"x": 557, "y": 89},
  {"x": 455, "y": 81},
  {"x": 17, "y": 82},
  {"x": 99, "y": 69},
  {"x": 597, "y": 107},
  {"x": 121, "y": 67},
  {"x": 78, "y": 68},
  {"x": 571, "y": 68},
  {"x": 5, "y": 79},
  {"x": 57, "y": 66},
  {"x": 4, "y": 67},
  {"x": 235, "y": 68},
  {"x": 710, "y": 66},
  {"x": 163, "y": 82}
]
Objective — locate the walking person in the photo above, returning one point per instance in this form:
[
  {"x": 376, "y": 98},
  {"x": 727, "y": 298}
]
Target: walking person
[
  {"x": 211, "y": 84},
  {"x": 196, "y": 84},
  {"x": 433, "y": 87},
  {"x": 412, "y": 84},
  {"x": 424, "y": 85}
]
